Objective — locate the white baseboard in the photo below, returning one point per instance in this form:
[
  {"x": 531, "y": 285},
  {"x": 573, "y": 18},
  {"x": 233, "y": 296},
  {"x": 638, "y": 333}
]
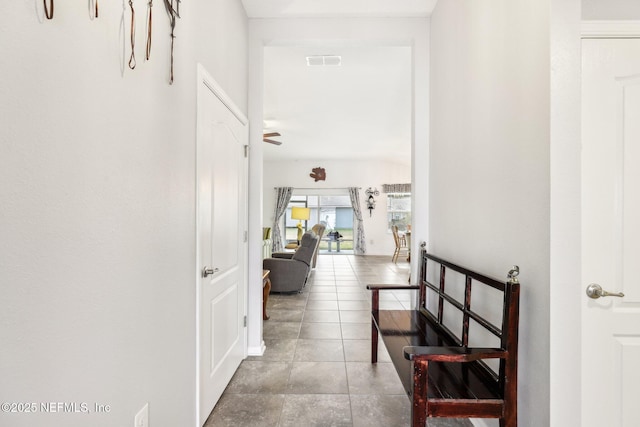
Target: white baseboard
[{"x": 257, "y": 351}]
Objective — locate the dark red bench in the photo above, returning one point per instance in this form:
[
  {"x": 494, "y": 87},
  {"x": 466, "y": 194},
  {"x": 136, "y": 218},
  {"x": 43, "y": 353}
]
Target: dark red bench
[{"x": 457, "y": 357}]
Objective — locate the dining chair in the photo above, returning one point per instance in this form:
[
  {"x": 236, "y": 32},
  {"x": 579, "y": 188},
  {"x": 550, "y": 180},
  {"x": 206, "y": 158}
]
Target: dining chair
[{"x": 401, "y": 244}]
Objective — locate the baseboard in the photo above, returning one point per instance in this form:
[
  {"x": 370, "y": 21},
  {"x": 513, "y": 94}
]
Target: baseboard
[{"x": 257, "y": 351}]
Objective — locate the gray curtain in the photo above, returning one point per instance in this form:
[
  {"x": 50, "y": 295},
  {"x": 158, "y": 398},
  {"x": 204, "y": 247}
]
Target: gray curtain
[
  {"x": 283, "y": 195},
  {"x": 359, "y": 245}
]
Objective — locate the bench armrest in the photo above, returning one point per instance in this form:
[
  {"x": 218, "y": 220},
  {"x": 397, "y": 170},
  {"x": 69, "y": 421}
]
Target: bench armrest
[
  {"x": 452, "y": 354},
  {"x": 391, "y": 287}
]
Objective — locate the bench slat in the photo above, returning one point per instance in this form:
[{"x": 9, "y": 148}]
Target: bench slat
[
  {"x": 476, "y": 409},
  {"x": 467, "y": 311},
  {"x": 453, "y": 354},
  {"x": 401, "y": 328}
]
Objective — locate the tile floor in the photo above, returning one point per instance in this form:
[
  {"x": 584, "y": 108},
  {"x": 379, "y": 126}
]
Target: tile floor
[{"x": 316, "y": 370}]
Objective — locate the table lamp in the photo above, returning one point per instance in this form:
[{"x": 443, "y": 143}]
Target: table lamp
[{"x": 300, "y": 214}]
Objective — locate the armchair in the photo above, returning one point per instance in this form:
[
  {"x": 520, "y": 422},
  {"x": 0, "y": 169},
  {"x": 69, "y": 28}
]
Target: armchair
[
  {"x": 318, "y": 229},
  {"x": 290, "y": 274}
]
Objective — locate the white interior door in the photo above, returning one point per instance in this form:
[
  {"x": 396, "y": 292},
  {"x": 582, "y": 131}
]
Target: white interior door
[
  {"x": 222, "y": 194},
  {"x": 611, "y": 231}
]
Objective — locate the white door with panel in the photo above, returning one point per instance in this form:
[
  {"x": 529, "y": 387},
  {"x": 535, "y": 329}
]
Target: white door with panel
[
  {"x": 222, "y": 135},
  {"x": 610, "y": 232}
]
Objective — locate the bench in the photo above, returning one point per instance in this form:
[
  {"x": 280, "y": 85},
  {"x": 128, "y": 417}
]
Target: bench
[{"x": 456, "y": 357}]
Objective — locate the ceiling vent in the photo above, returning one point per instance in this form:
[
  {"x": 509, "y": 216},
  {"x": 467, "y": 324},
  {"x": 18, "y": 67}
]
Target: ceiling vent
[{"x": 328, "y": 60}]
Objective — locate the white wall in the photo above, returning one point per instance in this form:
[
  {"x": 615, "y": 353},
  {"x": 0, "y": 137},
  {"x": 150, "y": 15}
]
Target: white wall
[
  {"x": 610, "y": 9},
  {"x": 97, "y": 198},
  {"x": 341, "y": 174},
  {"x": 565, "y": 247},
  {"x": 490, "y": 150}
]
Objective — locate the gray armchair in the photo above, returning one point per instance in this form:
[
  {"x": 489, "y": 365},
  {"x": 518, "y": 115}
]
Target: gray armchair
[
  {"x": 290, "y": 274},
  {"x": 319, "y": 230}
]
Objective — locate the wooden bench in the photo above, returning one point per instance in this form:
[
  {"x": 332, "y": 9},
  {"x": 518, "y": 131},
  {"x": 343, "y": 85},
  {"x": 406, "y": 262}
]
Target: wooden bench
[{"x": 453, "y": 362}]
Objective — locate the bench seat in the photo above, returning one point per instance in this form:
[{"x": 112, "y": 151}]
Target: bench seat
[{"x": 446, "y": 380}]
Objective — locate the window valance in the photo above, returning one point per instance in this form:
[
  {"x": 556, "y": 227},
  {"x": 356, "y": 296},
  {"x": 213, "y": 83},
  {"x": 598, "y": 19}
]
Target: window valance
[{"x": 396, "y": 188}]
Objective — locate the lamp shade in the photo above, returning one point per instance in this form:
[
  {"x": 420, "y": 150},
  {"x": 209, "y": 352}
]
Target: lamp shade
[{"x": 300, "y": 213}]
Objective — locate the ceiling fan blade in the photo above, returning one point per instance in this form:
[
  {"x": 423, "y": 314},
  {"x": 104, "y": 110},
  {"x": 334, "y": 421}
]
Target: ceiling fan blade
[
  {"x": 271, "y": 141},
  {"x": 270, "y": 134}
]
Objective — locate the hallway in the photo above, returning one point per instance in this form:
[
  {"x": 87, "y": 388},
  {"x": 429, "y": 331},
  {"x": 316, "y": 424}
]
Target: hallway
[{"x": 316, "y": 370}]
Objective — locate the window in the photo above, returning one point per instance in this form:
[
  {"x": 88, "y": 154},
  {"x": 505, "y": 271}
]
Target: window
[
  {"x": 399, "y": 210},
  {"x": 334, "y": 211}
]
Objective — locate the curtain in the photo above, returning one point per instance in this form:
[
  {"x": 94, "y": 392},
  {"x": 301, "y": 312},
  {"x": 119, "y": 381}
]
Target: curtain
[
  {"x": 283, "y": 195},
  {"x": 396, "y": 188},
  {"x": 359, "y": 245}
]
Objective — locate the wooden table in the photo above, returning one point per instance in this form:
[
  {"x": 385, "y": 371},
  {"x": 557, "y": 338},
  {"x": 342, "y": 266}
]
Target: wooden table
[{"x": 266, "y": 289}]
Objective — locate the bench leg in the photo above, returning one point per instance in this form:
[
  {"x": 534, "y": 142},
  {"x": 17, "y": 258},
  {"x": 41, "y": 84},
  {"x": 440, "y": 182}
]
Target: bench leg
[
  {"x": 507, "y": 423},
  {"x": 374, "y": 342},
  {"x": 510, "y": 415},
  {"x": 375, "y": 305},
  {"x": 510, "y": 418},
  {"x": 419, "y": 397}
]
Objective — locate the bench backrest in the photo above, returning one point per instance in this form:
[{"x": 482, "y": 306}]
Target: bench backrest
[{"x": 445, "y": 298}]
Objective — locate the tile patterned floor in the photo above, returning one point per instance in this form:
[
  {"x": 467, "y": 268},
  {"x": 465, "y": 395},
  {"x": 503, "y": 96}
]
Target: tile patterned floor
[{"x": 316, "y": 370}]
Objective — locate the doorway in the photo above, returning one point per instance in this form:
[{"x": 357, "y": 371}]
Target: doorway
[
  {"x": 352, "y": 120},
  {"x": 413, "y": 34}
]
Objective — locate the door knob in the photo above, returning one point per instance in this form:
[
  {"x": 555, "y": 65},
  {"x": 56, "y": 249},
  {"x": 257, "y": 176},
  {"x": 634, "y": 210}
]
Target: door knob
[
  {"x": 209, "y": 271},
  {"x": 595, "y": 291}
]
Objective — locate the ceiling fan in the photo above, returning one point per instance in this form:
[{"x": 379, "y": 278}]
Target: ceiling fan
[{"x": 267, "y": 138}]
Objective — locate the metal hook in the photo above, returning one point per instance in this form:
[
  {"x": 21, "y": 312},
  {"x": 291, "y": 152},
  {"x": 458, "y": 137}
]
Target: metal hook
[{"x": 513, "y": 274}]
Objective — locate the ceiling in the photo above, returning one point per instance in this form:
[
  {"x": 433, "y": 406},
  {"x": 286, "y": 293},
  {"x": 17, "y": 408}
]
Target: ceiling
[{"x": 360, "y": 109}]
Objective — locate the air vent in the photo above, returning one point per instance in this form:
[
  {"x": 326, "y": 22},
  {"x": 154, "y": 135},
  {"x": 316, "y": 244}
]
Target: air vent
[{"x": 328, "y": 60}]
